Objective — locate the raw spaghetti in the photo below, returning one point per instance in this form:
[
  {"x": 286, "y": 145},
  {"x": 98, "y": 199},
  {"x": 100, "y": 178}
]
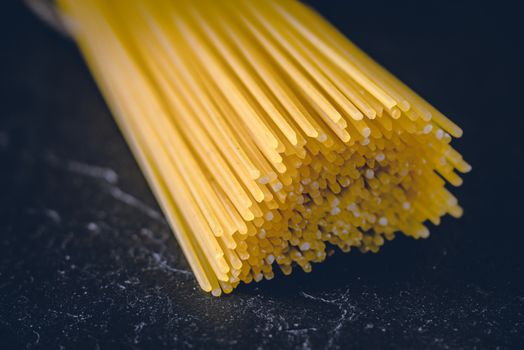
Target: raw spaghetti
[{"x": 266, "y": 136}]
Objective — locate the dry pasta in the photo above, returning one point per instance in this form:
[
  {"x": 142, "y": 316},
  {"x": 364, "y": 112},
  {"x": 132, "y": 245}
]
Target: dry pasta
[{"x": 267, "y": 137}]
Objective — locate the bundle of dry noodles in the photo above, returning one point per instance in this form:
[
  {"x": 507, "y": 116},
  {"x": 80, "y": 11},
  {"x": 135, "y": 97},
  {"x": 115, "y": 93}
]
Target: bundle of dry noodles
[{"x": 266, "y": 136}]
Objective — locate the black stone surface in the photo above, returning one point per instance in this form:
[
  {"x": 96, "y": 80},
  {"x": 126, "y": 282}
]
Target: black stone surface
[{"x": 88, "y": 262}]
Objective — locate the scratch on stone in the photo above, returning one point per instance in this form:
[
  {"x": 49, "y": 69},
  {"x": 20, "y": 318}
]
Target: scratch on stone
[
  {"x": 37, "y": 337},
  {"x": 134, "y": 202},
  {"x": 304, "y": 334},
  {"x": 300, "y": 330},
  {"x": 94, "y": 171},
  {"x": 66, "y": 241},
  {"x": 138, "y": 328},
  {"x": 342, "y": 303},
  {"x": 53, "y": 215},
  {"x": 162, "y": 263},
  {"x": 109, "y": 177},
  {"x": 327, "y": 301}
]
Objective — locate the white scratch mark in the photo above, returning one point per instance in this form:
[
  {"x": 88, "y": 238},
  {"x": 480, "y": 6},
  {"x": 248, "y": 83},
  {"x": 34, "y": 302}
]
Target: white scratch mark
[
  {"x": 37, "y": 337},
  {"x": 162, "y": 263},
  {"x": 309, "y": 296},
  {"x": 53, "y": 215},
  {"x": 109, "y": 177},
  {"x": 300, "y": 330},
  {"x": 134, "y": 202},
  {"x": 347, "y": 312},
  {"x": 94, "y": 171}
]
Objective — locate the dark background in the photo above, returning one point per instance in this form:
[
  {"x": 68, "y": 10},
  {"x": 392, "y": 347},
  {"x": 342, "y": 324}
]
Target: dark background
[{"x": 87, "y": 260}]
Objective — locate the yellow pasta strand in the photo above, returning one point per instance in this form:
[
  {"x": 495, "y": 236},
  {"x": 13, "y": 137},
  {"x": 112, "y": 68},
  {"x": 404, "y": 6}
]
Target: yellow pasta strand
[{"x": 266, "y": 136}]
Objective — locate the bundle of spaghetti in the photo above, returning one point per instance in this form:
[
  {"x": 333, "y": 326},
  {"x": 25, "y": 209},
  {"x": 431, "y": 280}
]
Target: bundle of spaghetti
[{"x": 267, "y": 137}]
